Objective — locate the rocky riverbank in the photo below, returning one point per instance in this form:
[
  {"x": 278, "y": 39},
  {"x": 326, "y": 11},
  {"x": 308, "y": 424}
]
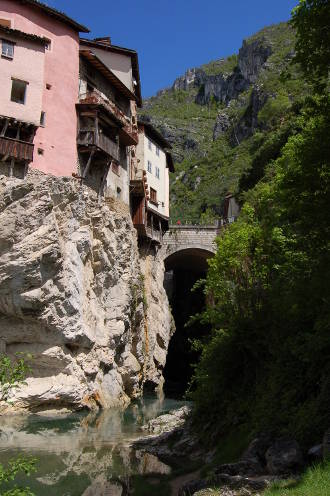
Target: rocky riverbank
[
  {"x": 79, "y": 296},
  {"x": 266, "y": 460}
]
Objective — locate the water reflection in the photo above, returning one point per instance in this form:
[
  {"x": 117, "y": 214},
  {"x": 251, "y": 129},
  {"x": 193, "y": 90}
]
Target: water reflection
[{"x": 84, "y": 454}]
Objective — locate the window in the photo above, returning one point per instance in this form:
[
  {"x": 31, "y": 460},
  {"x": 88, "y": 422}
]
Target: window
[
  {"x": 157, "y": 151},
  {"x": 149, "y": 166},
  {"x": 157, "y": 172},
  {"x": 7, "y": 49},
  {"x": 40, "y": 151},
  {"x": 149, "y": 144},
  {"x": 43, "y": 119},
  {"x": 118, "y": 193},
  {"x": 48, "y": 86},
  {"x": 153, "y": 196},
  {"x": 18, "y": 91}
]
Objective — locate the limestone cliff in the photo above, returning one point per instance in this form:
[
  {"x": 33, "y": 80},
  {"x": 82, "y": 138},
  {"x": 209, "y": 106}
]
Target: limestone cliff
[{"x": 73, "y": 295}]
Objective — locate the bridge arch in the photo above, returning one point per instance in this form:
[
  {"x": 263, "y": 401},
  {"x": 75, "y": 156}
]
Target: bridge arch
[
  {"x": 193, "y": 257},
  {"x": 186, "y": 251}
]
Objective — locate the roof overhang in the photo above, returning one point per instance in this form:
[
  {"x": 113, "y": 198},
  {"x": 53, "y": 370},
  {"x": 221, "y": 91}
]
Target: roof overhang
[
  {"x": 107, "y": 73},
  {"x": 21, "y": 34},
  {"x": 155, "y": 135},
  {"x": 123, "y": 51},
  {"x": 60, "y": 16},
  {"x": 154, "y": 212}
]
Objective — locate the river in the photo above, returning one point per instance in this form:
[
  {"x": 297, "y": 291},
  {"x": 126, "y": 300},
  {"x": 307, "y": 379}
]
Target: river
[{"x": 88, "y": 454}]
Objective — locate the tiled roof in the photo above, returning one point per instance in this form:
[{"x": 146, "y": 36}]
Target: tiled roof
[{"x": 22, "y": 34}]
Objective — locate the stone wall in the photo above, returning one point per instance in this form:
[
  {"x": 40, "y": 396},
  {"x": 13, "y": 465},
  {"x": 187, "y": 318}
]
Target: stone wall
[
  {"x": 73, "y": 294},
  {"x": 185, "y": 237}
]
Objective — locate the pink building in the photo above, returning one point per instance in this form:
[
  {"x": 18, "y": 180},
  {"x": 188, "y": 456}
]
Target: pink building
[{"x": 39, "y": 72}]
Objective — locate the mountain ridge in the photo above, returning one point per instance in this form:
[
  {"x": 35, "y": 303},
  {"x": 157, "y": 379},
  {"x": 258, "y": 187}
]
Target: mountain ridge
[{"x": 212, "y": 114}]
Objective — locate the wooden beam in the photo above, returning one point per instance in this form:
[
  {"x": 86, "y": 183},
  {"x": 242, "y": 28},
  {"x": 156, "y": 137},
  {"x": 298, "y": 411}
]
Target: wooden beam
[
  {"x": 88, "y": 164},
  {"x": 11, "y": 167},
  {"x": 104, "y": 178},
  {"x": 96, "y": 122},
  {"x": 18, "y": 130},
  {"x": 4, "y": 129}
]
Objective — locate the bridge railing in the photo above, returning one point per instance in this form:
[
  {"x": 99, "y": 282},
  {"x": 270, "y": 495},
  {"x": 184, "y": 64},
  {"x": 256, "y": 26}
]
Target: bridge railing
[{"x": 217, "y": 224}]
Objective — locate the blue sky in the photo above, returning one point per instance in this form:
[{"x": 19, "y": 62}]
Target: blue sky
[{"x": 174, "y": 35}]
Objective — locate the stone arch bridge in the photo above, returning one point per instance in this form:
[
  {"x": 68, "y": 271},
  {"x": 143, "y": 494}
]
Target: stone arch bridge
[{"x": 189, "y": 246}]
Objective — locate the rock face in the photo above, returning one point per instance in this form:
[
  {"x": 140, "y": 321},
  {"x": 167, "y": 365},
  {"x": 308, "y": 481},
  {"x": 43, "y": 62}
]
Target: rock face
[
  {"x": 249, "y": 121},
  {"x": 223, "y": 88},
  {"x": 222, "y": 124},
  {"x": 191, "y": 77},
  {"x": 252, "y": 57},
  {"x": 72, "y": 294}
]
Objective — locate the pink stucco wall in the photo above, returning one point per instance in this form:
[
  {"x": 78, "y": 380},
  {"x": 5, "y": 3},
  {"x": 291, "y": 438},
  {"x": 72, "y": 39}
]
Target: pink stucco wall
[
  {"x": 28, "y": 65},
  {"x": 58, "y": 137}
]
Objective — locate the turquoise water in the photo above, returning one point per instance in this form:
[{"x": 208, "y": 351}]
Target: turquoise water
[{"x": 78, "y": 453}]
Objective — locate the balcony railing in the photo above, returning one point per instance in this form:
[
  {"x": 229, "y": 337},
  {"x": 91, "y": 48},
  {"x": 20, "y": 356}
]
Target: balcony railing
[
  {"x": 95, "y": 98},
  {"x": 154, "y": 234},
  {"x": 101, "y": 141},
  {"x": 20, "y": 150}
]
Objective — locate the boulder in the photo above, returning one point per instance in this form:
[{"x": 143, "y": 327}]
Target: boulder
[
  {"x": 284, "y": 457},
  {"x": 245, "y": 467},
  {"x": 168, "y": 422},
  {"x": 256, "y": 450},
  {"x": 315, "y": 453}
]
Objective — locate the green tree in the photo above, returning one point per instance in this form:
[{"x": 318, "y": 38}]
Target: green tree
[
  {"x": 311, "y": 19},
  {"x": 267, "y": 361},
  {"x": 12, "y": 375}
]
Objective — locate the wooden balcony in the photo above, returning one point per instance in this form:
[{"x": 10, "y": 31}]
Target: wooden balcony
[
  {"x": 19, "y": 150},
  {"x": 91, "y": 138},
  {"x": 154, "y": 234},
  {"x": 128, "y": 133}
]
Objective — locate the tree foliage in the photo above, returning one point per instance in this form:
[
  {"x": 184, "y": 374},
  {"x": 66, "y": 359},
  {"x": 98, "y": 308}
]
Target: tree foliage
[
  {"x": 311, "y": 19},
  {"x": 12, "y": 375},
  {"x": 267, "y": 361}
]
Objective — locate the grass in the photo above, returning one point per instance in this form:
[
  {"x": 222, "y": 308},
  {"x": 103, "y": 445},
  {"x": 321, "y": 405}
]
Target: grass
[{"x": 315, "y": 482}]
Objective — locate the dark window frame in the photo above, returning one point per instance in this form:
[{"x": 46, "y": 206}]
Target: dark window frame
[
  {"x": 10, "y": 43},
  {"x": 153, "y": 196},
  {"x": 16, "y": 100}
]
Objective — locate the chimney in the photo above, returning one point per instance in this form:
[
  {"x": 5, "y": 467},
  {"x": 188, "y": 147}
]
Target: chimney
[{"x": 105, "y": 40}]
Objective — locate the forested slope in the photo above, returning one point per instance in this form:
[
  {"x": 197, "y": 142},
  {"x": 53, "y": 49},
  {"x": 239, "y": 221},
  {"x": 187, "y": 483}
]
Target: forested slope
[
  {"x": 266, "y": 364},
  {"x": 226, "y": 115}
]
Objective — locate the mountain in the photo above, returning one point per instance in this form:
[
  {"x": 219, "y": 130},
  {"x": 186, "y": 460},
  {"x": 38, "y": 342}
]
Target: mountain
[{"x": 220, "y": 115}]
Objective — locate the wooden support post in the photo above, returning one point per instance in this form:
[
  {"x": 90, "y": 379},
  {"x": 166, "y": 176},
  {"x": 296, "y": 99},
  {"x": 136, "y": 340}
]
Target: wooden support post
[
  {"x": 88, "y": 164},
  {"x": 11, "y": 167},
  {"x": 160, "y": 230},
  {"x": 26, "y": 169},
  {"x": 96, "y": 125},
  {"x": 18, "y": 131},
  {"x": 104, "y": 178},
  {"x": 4, "y": 129}
]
